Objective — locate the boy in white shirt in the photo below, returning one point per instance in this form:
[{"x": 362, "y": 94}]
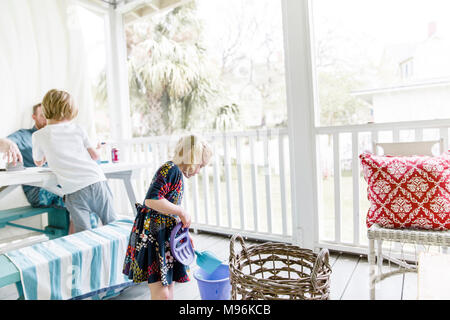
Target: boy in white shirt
[{"x": 66, "y": 148}]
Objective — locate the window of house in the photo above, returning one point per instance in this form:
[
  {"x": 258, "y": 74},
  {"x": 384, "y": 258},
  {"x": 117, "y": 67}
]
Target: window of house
[{"x": 406, "y": 69}]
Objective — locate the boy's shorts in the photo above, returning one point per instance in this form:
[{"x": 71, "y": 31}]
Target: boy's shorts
[{"x": 96, "y": 198}]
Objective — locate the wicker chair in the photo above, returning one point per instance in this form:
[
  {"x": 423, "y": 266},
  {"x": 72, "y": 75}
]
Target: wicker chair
[{"x": 400, "y": 236}]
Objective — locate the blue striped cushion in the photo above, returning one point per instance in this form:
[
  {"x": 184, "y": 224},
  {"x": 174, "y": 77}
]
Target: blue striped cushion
[{"x": 81, "y": 265}]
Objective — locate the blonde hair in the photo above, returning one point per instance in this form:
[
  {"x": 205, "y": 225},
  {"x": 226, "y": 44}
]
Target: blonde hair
[
  {"x": 59, "y": 105},
  {"x": 191, "y": 151}
]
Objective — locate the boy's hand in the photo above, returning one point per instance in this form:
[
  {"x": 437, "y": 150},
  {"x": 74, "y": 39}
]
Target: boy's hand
[
  {"x": 93, "y": 153},
  {"x": 100, "y": 145},
  {"x": 40, "y": 163}
]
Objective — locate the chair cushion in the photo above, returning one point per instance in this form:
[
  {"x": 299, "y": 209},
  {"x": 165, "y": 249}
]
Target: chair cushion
[{"x": 408, "y": 192}]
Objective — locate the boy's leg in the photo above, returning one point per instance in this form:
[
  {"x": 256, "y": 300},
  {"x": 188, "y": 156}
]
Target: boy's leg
[
  {"x": 79, "y": 211},
  {"x": 71, "y": 228},
  {"x": 103, "y": 205}
]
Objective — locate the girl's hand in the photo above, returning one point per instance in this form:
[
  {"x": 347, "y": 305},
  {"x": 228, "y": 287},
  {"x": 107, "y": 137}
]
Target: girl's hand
[
  {"x": 185, "y": 218},
  {"x": 192, "y": 242}
]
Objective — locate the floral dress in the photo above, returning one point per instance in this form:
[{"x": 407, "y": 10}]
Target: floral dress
[{"x": 148, "y": 257}]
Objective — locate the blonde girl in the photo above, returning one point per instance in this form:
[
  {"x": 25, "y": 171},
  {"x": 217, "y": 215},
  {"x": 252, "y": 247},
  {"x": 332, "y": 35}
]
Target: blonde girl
[{"x": 148, "y": 257}]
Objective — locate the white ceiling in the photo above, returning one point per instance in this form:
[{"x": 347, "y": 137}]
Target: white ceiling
[{"x": 137, "y": 9}]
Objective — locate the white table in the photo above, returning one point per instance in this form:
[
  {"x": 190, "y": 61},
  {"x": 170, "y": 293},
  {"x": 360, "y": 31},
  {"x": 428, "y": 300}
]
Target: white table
[{"x": 45, "y": 178}]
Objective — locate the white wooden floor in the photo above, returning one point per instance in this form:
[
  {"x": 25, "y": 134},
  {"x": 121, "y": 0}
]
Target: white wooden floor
[{"x": 349, "y": 279}]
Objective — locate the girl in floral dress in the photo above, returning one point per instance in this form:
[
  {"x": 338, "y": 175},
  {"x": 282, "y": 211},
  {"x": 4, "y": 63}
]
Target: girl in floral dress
[{"x": 148, "y": 257}]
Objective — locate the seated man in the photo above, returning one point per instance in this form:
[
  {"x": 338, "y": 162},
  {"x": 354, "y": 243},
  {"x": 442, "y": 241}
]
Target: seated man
[{"x": 37, "y": 197}]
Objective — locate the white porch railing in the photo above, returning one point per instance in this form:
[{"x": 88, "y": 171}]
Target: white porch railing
[
  {"x": 342, "y": 197},
  {"x": 244, "y": 189}
]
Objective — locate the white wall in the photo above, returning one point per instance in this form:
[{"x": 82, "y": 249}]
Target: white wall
[
  {"x": 410, "y": 105},
  {"x": 41, "y": 49}
]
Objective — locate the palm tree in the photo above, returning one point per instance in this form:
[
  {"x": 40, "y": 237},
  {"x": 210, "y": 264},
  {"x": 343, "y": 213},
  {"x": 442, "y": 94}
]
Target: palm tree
[
  {"x": 227, "y": 117},
  {"x": 169, "y": 76}
]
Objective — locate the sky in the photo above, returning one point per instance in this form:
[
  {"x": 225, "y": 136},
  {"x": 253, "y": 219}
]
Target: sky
[
  {"x": 220, "y": 17},
  {"x": 377, "y": 22},
  {"x": 392, "y": 19},
  {"x": 386, "y": 21},
  {"x": 383, "y": 21}
]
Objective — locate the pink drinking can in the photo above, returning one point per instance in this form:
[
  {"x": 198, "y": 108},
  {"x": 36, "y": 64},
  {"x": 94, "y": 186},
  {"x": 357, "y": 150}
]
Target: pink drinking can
[{"x": 114, "y": 155}]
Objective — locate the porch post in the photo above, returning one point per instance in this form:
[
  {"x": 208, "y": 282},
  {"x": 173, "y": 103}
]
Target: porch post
[
  {"x": 300, "y": 101},
  {"x": 117, "y": 76}
]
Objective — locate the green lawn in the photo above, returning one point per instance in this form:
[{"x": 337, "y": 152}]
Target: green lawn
[
  {"x": 327, "y": 216},
  {"x": 325, "y": 200},
  {"x": 248, "y": 201},
  {"x": 326, "y": 204}
]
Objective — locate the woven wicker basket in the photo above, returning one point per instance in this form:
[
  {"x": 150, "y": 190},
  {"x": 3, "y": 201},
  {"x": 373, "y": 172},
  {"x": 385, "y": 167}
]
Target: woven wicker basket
[{"x": 276, "y": 271}]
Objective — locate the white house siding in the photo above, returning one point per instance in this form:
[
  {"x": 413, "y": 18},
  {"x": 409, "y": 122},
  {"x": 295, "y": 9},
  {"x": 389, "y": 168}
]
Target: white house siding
[{"x": 409, "y": 105}]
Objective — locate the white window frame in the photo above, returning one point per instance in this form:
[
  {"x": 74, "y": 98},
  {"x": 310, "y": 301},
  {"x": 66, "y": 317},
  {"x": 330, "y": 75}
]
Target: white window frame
[
  {"x": 406, "y": 68},
  {"x": 116, "y": 68},
  {"x": 301, "y": 97},
  {"x": 117, "y": 76}
]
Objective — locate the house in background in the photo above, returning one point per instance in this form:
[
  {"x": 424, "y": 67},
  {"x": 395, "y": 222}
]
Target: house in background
[{"x": 413, "y": 81}]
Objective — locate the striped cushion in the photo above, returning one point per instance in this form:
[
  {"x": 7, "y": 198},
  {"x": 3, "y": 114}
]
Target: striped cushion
[{"x": 78, "y": 265}]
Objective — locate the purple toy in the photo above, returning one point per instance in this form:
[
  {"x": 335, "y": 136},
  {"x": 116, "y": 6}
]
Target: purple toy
[
  {"x": 182, "y": 250},
  {"x": 180, "y": 245}
]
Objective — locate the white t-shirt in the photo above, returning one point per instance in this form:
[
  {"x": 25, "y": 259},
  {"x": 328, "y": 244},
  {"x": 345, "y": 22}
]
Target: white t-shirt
[{"x": 64, "y": 146}]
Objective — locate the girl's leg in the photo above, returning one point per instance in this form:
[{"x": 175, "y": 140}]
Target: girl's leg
[{"x": 160, "y": 292}]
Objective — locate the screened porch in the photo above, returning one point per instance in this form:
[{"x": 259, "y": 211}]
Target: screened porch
[{"x": 287, "y": 93}]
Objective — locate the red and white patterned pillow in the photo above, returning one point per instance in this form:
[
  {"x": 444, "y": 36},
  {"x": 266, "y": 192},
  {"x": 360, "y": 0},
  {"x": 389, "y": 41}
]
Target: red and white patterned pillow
[{"x": 408, "y": 192}]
